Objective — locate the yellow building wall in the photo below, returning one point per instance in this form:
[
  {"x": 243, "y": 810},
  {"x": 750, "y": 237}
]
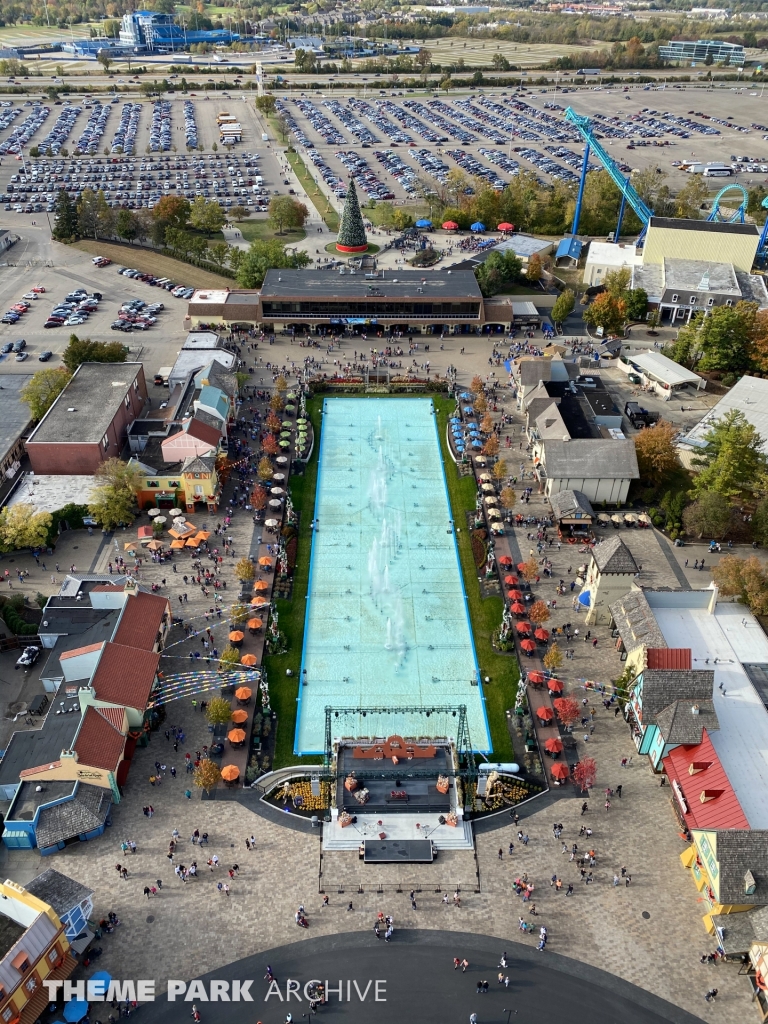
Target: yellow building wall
[{"x": 713, "y": 247}]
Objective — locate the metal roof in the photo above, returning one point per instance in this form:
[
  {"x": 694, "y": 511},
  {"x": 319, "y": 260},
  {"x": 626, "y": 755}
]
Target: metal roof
[
  {"x": 591, "y": 459},
  {"x": 749, "y": 396},
  {"x": 721, "y": 807},
  {"x": 664, "y": 369},
  {"x": 443, "y": 285},
  {"x": 570, "y": 247}
]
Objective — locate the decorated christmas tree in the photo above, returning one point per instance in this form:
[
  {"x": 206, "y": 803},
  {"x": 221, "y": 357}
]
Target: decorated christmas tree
[{"x": 351, "y": 237}]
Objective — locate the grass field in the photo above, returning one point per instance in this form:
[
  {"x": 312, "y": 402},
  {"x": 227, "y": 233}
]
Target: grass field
[
  {"x": 262, "y": 229},
  {"x": 480, "y": 52},
  {"x": 316, "y": 195},
  {"x": 150, "y": 262}
]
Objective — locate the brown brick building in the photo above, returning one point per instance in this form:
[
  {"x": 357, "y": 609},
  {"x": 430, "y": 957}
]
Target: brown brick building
[{"x": 88, "y": 422}]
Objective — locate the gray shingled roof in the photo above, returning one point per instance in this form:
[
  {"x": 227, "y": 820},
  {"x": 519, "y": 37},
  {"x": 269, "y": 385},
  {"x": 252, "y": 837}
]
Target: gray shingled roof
[
  {"x": 613, "y": 556},
  {"x": 87, "y": 811},
  {"x": 59, "y": 891},
  {"x": 534, "y": 369},
  {"x": 591, "y": 459},
  {"x": 678, "y": 724},
  {"x": 739, "y": 931},
  {"x": 662, "y": 687},
  {"x": 566, "y": 503},
  {"x": 740, "y": 850},
  {"x": 636, "y": 622}
]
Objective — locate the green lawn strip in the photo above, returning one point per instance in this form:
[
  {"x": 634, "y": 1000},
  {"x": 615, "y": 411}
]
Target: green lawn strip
[
  {"x": 262, "y": 229},
  {"x": 485, "y": 613},
  {"x": 316, "y": 195},
  {"x": 283, "y": 690}
]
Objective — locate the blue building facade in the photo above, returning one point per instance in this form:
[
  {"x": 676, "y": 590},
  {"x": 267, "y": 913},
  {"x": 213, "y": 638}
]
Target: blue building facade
[{"x": 151, "y": 31}]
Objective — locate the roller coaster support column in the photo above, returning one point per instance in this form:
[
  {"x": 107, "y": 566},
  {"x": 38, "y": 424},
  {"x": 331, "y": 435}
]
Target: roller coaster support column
[
  {"x": 580, "y": 196},
  {"x": 621, "y": 216}
]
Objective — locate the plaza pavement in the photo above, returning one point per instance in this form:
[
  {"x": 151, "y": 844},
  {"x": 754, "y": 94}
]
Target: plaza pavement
[{"x": 194, "y": 929}]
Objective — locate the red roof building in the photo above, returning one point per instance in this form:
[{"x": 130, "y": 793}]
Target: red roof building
[
  {"x": 125, "y": 676},
  {"x": 668, "y": 657},
  {"x": 142, "y": 621},
  {"x": 703, "y": 794},
  {"x": 100, "y": 742}
]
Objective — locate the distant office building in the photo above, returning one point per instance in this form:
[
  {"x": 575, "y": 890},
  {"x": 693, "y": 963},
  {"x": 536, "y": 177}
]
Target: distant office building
[{"x": 690, "y": 52}]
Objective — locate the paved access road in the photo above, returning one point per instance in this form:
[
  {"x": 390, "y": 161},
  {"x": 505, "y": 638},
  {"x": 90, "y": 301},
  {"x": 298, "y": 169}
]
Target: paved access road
[{"x": 416, "y": 983}]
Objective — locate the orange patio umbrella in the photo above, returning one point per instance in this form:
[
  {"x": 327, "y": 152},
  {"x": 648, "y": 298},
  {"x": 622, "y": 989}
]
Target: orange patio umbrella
[
  {"x": 555, "y": 686},
  {"x": 259, "y": 602},
  {"x": 541, "y": 634},
  {"x": 523, "y": 627},
  {"x": 510, "y": 580},
  {"x": 545, "y": 714},
  {"x": 264, "y": 560},
  {"x": 254, "y": 624},
  {"x": 536, "y": 678},
  {"x": 193, "y": 542},
  {"x": 261, "y": 585},
  {"x": 559, "y": 770},
  {"x": 243, "y": 693},
  {"x": 239, "y": 716},
  {"x": 236, "y": 636},
  {"x": 517, "y": 608},
  {"x": 155, "y": 545},
  {"x": 515, "y": 595},
  {"x": 554, "y": 745},
  {"x": 236, "y": 735},
  {"x": 230, "y": 772},
  {"x": 505, "y": 560},
  {"x": 528, "y": 645},
  {"x": 249, "y": 660},
  {"x": 176, "y": 544}
]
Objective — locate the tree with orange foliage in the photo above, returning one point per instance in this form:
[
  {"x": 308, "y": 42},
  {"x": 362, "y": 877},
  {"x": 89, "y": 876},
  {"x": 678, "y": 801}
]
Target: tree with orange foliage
[
  {"x": 272, "y": 423},
  {"x": 567, "y": 710},
  {"x": 539, "y": 612},
  {"x": 486, "y": 424},
  {"x": 477, "y": 387},
  {"x": 508, "y": 498},
  {"x": 276, "y": 403},
  {"x": 259, "y": 498},
  {"x": 553, "y": 659},
  {"x": 585, "y": 773},
  {"x": 270, "y": 445},
  {"x": 530, "y": 570},
  {"x": 491, "y": 447}
]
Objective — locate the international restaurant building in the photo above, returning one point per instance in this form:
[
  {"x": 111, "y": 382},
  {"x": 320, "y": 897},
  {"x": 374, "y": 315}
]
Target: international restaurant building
[{"x": 383, "y": 303}]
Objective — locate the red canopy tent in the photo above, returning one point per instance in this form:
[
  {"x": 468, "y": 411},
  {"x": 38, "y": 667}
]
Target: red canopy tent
[
  {"x": 523, "y": 627},
  {"x": 554, "y": 745},
  {"x": 545, "y": 714},
  {"x": 559, "y": 770}
]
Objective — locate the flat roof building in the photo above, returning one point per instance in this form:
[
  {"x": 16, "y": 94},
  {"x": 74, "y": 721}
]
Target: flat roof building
[
  {"x": 697, "y": 52},
  {"x": 664, "y": 374},
  {"x": 749, "y": 396}
]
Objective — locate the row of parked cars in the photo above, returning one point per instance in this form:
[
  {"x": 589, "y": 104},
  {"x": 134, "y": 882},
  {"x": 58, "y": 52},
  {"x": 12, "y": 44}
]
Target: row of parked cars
[
  {"x": 447, "y": 128},
  {"x": 474, "y": 120},
  {"x": 320, "y": 123},
  {"x": 404, "y": 174},
  {"x": 18, "y": 348},
  {"x": 74, "y": 309},
  {"x": 160, "y": 130},
  {"x": 137, "y": 315},
  {"x": 180, "y": 291},
  {"x": 472, "y": 166},
  {"x": 60, "y": 130},
  {"x": 354, "y": 127},
  {"x": 23, "y": 132},
  {"x": 96, "y": 126},
  {"x": 190, "y": 124},
  {"x": 384, "y": 125},
  {"x": 409, "y": 121},
  {"x": 329, "y": 176},
  {"x": 366, "y": 180},
  {"x": 124, "y": 140}
]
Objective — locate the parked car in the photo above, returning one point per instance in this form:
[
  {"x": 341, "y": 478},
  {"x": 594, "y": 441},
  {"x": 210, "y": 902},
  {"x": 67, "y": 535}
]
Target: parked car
[{"x": 28, "y": 657}]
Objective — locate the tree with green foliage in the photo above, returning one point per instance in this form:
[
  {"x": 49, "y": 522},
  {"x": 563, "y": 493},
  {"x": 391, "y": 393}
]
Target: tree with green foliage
[
  {"x": 83, "y": 350},
  {"x": 218, "y": 253},
  {"x": 266, "y": 103},
  {"x": 104, "y": 59},
  {"x": 235, "y": 258},
  {"x": 114, "y": 500},
  {"x": 563, "y": 307},
  {"x": 283, "y": 128},
  {"x": 263, "y": 255},
  {"x": 717, "y": 340},
  {"x": 125, "y": 225},
  {"x": 692, "y": 197},
  {"x": 65, "y": 224},
  {"x": 22, "y": 527},
  {"x": 169, "y": 212},
  {"x": 206, "y": 215},
  {"x": 732, "y": 460},
  {"x": 637, "y": 303},
  {"x": 287, "y": 212},
  {"x": 351, "y": 227},
  {"x": 708, "y": 516},
  {"x": 230, "y": 658},
  {"x": 498, "y": 271},
  {"x": 238, "y": 213},
  {"x": 219, "y": 711},
  {"x": 43, "y": 389}
]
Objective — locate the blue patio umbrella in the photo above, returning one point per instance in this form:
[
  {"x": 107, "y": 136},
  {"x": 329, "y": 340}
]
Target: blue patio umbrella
[
  {"x": 75, "y": 1010},
  {"x": 477, "y": 226},
  {"x": 102, "y": 979},
  {"x": 423, "y": 223},
  {"x": 584, "y": 598},
  {"x": 466, "y": 397},
  {"x": 468, "y": 410},
  {"x": 477, "y": 444}
]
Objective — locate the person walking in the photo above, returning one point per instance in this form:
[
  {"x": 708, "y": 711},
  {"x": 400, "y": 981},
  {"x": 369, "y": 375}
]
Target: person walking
[
  {"x": 618, "y": 791},
  {"x": 712, "y": 994}
]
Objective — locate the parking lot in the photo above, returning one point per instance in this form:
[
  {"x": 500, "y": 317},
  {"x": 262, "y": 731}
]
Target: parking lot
[
  {"x": 497, "y": 134},
  {"x": 136, "y": 152}
]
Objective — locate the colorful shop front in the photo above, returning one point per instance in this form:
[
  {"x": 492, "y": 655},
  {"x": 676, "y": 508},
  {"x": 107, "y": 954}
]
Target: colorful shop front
[
  {"x": 726, "y": 866},
  {"x": 655, "y": 690}
]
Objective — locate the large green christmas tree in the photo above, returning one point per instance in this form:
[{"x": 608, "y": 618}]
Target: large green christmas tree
[{"x": 351, "y": 237}]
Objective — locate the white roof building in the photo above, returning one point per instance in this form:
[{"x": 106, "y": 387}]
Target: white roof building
[
  {"x": 725, "y": 640},
  {"x": 748, "y": 396},
  {"x": 602, "y": 257},
  {"x": 664, "y": 374}
]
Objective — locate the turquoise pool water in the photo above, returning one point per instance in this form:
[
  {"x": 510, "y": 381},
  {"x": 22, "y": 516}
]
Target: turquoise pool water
[{"x": 387, "y": 621}]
